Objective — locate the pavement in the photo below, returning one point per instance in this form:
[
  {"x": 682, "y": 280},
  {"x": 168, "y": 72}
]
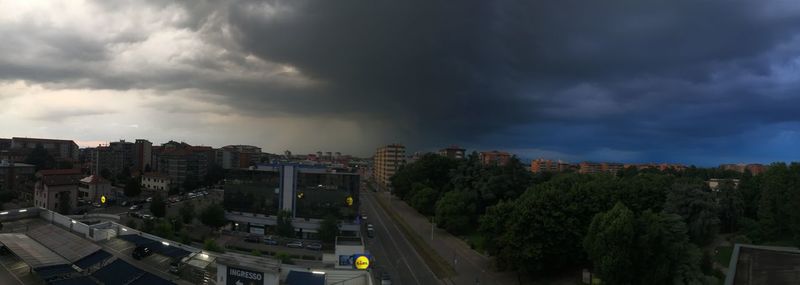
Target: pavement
[
  {"x": 471, "y": 267},
  {"x": 392, "y": 250}
]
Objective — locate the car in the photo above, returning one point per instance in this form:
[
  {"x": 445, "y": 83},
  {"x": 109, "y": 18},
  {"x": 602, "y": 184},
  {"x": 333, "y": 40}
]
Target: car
[
  {"x": 141, "y": 252},
  {"x": 295, "y": 244},
  {"x": 363, "y": 217},
  {"x": 135, "y": 214},
  {"x": 270, "y": 240},
  {"x": 175, "y": 266},
  {"x": 147, "y": 217},
  {"x": 149, "y": 199},
  {"x": 252, "y": 238},
  {"x": 369, "y": 226},
  {"x": 135, "y": 207},
  {"x": 124, "y": 203},
  {"x": 97, "y": 205},
  {"x": 314, "y": 246},
  {"x": 370, "y": 233}
]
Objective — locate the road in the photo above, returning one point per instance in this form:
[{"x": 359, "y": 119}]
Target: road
[{"x": 392, "y": 251}]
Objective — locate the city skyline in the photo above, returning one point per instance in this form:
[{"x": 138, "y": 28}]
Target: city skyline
[{"x": 629, "y": 81}]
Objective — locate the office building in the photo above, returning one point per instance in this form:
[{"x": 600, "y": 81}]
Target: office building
[
  {"x": 388, "y": 159},
  {"x": 56, "y": 187},
  {"x": 499, "y": 158},
  {"x": 238, "y": 156},
  {"x": 254, "y": 196}
]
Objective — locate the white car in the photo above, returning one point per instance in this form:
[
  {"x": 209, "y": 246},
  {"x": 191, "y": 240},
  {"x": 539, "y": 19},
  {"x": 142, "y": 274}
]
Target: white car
[{"x": 134, "y": 207}]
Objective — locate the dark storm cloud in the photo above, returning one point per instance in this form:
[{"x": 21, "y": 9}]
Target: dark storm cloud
[
  {"x": 648, "y": 80},
  {"x": 458, "y": 72}
]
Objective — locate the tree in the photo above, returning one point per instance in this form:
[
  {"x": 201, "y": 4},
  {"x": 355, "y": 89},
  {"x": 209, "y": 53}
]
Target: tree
[
  {"x": 424, "y": 199},
  {"x": 608, "y": 244},
  {"x": 284, "y": 224},
  {"x": 164, "y": 229},
  {"x": 731, "y": 206},
  {"x": 40, "y": 158},
  {"x": 329, "y": 229},
  {"x": 651, "y": 248},
  {"x": 494, "y": 223},
  {"x": 697, "y": 207},
  {"x": 454, "y": 212},
  {"x": 431, "y": 169},
  {"x": 64, "y": 206},
  {"x": 133, "y": 188},
  {"x": 213, "y": 216},
  {"x": 158, "y": 206},
  {"x": 187, "y": 212},
  {"x": 211, "y": 244}
]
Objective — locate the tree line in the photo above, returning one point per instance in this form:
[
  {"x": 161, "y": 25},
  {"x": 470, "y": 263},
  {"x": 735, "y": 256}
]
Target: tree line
[{"x": 635, "y": 227}]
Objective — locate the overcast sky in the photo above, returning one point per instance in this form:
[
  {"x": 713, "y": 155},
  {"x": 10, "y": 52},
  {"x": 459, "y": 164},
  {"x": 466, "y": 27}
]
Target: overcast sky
[{"x": 696, "y": 82}]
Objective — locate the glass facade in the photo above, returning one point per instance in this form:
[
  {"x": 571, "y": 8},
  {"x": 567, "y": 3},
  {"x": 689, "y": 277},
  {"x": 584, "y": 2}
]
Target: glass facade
[
  {"x": 322, "y": 194},
  {"x": 252, "y": 192}
]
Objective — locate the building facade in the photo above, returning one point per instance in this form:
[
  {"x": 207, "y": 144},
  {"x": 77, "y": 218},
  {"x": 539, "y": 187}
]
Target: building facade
[
  {"x": 93, "y": 187},
  {"x": 56, "y": 187},
  {"x": 238, "y": 156},
  {"x": 17, "y": 177},
  {"x": 142, "y": 155},
  {"x": 546, "y": 165},
  {"x": 499, "y": 158},
  {"x": 182, "y": 164},
  {"x": 388, "y": 159},
  {"x": 601, "y": 167},
  {"x": 155, "y": 181},
  {"x": 60, "y": 150},
  {"x": 453, "y": 151},
  {"x": 253, "y": 197}
]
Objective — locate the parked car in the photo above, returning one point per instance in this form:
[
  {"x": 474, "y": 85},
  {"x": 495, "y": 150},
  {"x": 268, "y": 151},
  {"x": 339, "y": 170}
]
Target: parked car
[
  {"x": 252, "y": 238},
  {"x": 295, "y": 244},
  {"x": 175, "y": 266},
  {"x": 141, "y": 252},
  {"x": 314, "y": 246},
  {"x": 135, "y": 207},
  {"x": 149, "y": 199},
  {"x": 147, "y": 217},
  {"x": 124, "y": 203},
  {"x": 370, "y": 233},
  {"x": 270, "y": 240},
  {"x": 135, "y": 214},
  {"x": 363, "y": 217},
  {"x": 97, "y": 205}
]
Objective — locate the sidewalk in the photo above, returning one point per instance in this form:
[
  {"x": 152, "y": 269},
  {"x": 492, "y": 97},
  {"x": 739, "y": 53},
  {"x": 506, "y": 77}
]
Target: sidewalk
[{"x": 471, "y": 267}]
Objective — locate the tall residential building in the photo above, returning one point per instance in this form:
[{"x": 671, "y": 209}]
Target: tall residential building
[
  {"x": 602, "y": 167},
  {"x": 142, "y": 155},
  {"x": 238, "y": 156},
  {"x": 61, "y": 150},
  {"x": 546, "y": 165},
  {"x": 17, "y": 177},
  {"x": 115, "y": 158},
  {"x": 500, "y": 158},
  {"x": 183, "y": 162},
  {"x": 388, "y": 160},
  {"x": 453, "y": 151},
  {"x": 56, "y": 187}
]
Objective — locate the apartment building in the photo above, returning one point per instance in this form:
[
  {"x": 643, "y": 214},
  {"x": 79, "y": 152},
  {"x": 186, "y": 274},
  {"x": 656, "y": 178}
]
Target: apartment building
[
  {"x": 453, "y": 151},
  {"x": 56, "y": 187},
  {"x": 387, "y": 161},
  {"x": 499, "y": 158}
]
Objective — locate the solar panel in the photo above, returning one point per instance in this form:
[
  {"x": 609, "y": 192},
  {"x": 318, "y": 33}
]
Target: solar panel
[
  {"x": 151, "y": 279},
  {"x": 93, "y": 259},
  {"x": 118, "y": 272},
  {"x": 31, "y": 252},
  {"x": 66, "y": 244}
]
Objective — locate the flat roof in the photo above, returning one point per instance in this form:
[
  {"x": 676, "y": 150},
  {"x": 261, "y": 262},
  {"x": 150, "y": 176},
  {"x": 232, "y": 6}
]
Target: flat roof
[
  {"x": 31, "y": 252},
  {"x": 767, "y": 265},
  {"x": 66, "y": 244}
]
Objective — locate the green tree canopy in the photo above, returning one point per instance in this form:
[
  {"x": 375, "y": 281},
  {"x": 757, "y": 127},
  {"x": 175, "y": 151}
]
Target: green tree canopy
[
  {"x": 454, "y": 212},
  {"x": 158, "y": 206},
  {"x": 329, "y": 229},
  {"x": 690, "y": 199},
  {"x": 609, "y": 245},
  {"x": 213, "y": 216},
  {"x": 187, "y": 212},
  {"x": 284, "y": 226}
]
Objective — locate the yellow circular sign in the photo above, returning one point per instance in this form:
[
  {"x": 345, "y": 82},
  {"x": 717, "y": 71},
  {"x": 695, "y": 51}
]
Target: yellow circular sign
[
  {"x": 103, "y": 199},
  {"x": 362, "y": 263},
  {"x": 349, "y": 201}
]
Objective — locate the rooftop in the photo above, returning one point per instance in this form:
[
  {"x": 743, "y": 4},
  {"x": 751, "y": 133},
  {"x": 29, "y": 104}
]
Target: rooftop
[{"x": 763, "y": 265}]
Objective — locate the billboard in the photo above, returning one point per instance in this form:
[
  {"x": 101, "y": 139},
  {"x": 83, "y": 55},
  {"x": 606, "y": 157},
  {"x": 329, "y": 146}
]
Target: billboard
[
  {"x": 357, "y": 261},
  {"x": 238, "y": 276}
]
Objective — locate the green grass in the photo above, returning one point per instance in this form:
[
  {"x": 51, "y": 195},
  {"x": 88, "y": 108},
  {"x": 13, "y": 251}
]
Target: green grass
[
  {"x": 723, "y": 256},
  {"x": 438, "y": 265}
]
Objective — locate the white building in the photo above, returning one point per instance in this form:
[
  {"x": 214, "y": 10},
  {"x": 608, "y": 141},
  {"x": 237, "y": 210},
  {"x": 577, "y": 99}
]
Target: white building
[
  {"x": 93, "y": 187},
  {"x": 155, "y": 181},
  {"x": 55, "y": 187}
]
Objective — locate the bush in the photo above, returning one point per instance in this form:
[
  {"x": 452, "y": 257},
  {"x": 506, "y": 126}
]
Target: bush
[
  {"x": 256, "y": 252},
  {"x": 211, "y": 244},
  {"x": 741, "y": 239},
  {"x": 284, "y": 258}
]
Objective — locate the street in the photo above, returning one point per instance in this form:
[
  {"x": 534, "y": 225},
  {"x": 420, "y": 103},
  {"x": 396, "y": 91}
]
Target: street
[{"x": 392, "y": 251}]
